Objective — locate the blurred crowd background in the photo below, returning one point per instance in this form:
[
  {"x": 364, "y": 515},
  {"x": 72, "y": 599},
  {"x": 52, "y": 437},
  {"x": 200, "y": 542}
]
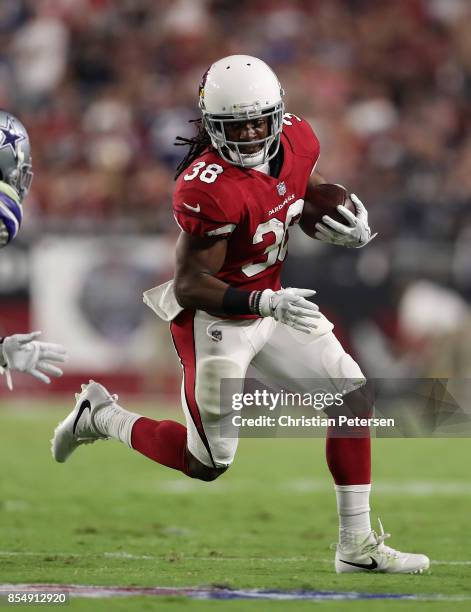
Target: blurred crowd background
[{"x": 105, "y": 86}]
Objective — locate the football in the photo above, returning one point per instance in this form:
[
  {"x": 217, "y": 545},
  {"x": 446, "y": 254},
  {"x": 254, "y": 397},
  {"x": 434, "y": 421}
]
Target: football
[{"x": 323, "y": 200}]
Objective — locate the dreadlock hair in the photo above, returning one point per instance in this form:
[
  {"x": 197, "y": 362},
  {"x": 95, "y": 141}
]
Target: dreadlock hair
[{"x": 197, "y": 145}]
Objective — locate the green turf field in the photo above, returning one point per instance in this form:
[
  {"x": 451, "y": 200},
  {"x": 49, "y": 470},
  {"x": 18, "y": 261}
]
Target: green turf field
[{"x": 111, "y": 517}]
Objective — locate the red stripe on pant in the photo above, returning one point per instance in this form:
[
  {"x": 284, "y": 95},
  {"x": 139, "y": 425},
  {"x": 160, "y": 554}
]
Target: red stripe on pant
[{"x": 182, "y": 330}]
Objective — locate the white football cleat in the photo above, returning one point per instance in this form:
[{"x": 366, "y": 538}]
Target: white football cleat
[
  {"x": 79, "y": 426},
  {"x": 371, "y": 555}
]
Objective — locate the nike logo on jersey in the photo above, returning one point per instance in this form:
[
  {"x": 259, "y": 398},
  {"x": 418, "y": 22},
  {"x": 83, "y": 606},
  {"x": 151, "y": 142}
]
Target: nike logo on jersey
[
  {"x": 83, "y": 406},
  {"x": 193, "y": 208},
  {"x": 368, "y": 566}
]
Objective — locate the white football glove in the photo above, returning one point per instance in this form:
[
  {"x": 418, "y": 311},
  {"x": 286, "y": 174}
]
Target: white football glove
[
  {"x": 23, "y": 353},
  {"x": 355, "y": 233},
  {"x": 290, "y": 307}
]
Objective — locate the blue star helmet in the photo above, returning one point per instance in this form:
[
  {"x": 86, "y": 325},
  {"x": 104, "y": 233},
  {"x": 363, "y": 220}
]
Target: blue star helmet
[
  {"x": 15, "y": 175},
  {"x": 15, "y": 154}
]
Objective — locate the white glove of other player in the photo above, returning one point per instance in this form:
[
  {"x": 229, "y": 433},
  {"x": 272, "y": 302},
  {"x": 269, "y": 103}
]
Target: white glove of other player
[
  {"x": 355, "y": 233},
  {"x": 290, "y": 307},
  {"x": 23, "y": 353}
]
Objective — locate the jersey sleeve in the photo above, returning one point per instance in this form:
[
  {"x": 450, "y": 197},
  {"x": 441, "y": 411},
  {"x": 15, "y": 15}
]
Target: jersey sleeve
[
  {"x": 205, "y": 213},
  {"x": 302, "y": 137}
]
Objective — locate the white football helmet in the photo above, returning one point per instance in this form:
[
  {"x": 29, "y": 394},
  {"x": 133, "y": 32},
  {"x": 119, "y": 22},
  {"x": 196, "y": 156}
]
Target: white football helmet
[{"x": 237, "y": 88}]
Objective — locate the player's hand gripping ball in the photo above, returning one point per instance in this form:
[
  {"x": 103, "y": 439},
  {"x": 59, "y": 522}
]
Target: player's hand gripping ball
[
  {"x": 11, "y": 213},
  {"x": 323, "y": 200},
  {"x": 331, "y": 215}
]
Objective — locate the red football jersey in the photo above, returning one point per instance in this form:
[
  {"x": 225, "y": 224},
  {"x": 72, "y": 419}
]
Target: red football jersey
[{"x": 254, "y": 211}]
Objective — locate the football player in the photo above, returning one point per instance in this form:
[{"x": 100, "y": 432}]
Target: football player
[
  {"x": 239, "y": 191},
  {"x": 21, "y": 352}
]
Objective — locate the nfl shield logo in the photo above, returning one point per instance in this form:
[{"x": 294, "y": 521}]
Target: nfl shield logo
[
  {"x": 216, "y": 335},
  {"x": 281, "y": 188}
]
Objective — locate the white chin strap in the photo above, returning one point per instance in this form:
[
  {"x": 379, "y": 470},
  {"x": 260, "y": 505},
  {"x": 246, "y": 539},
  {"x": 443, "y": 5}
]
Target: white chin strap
[{"x": 250, "y": 159}]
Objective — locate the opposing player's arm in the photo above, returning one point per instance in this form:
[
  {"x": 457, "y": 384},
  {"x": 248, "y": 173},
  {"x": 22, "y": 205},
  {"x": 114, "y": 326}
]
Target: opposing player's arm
[
  {"x": 11, "y": 213},
  {"x": 198, "y": 260}
]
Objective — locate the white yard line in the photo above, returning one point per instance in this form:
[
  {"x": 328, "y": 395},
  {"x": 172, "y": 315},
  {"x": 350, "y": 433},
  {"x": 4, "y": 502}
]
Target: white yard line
[
  {"x": 132, "y": 556},
  {"x": 310, "y": 485},
  {"x": 451, "y": 562},
  {"x": 413, "y": 488}
]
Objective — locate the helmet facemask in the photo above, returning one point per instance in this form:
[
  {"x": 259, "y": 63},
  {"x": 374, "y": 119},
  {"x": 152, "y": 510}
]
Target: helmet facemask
[
  {"x": 233, "y": 151},
  {"x": 21, "y": 177}
]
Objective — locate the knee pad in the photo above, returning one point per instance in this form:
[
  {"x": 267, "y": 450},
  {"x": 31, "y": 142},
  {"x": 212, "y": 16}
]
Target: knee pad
[{"x": 342, "y": 368}]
